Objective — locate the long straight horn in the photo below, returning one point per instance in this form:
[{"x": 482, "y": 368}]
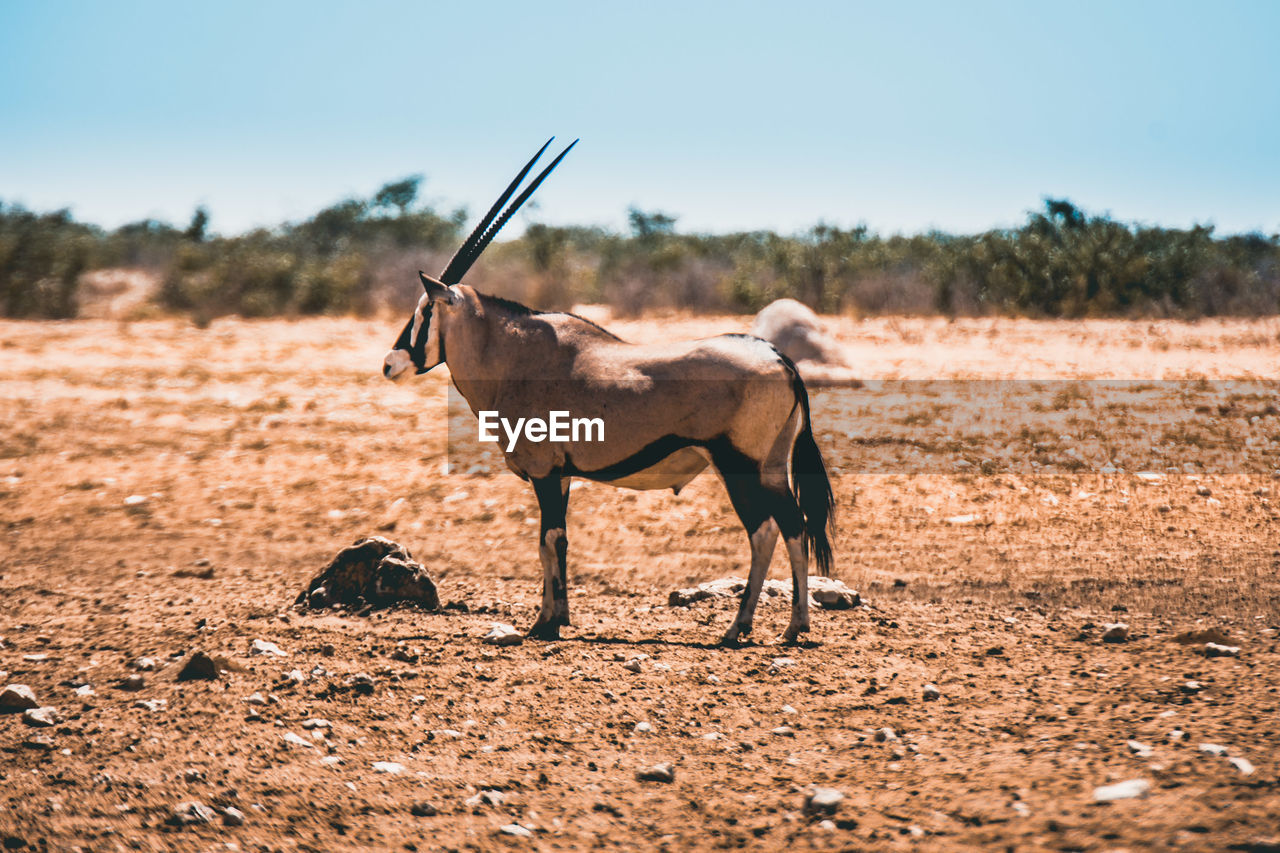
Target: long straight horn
[
  {"x": 459, "y": 264},
  {"x": 515, "y": 205}
]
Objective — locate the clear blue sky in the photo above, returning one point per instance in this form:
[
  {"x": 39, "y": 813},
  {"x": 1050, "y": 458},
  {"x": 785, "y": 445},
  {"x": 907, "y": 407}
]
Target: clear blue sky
[{"x": 735, "y": 115}]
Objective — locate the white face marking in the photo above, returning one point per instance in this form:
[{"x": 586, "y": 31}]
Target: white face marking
[
  {"x": 396, "y": 364},
  {"x": 419, "y": 317}
]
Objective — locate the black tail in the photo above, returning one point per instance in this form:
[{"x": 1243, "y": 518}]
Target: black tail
[{"x": 813, "y": 487}]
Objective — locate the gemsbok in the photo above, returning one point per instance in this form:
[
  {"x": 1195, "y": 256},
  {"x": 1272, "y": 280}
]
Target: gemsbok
[{"x": 668, "y": 411}]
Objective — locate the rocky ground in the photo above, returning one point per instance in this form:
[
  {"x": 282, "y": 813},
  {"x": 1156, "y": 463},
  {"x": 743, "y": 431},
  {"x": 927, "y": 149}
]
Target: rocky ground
[{"x": 167, "y": 491}]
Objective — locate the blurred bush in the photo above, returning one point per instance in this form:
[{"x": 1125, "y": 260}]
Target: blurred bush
[{"x": 359, "y": 255}]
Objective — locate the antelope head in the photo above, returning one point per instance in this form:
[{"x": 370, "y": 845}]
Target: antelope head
[{"x": 420, "y": 345}]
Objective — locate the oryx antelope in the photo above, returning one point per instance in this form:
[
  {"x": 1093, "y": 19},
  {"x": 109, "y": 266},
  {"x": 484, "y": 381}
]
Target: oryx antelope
[{"x": 732, "y": 402}]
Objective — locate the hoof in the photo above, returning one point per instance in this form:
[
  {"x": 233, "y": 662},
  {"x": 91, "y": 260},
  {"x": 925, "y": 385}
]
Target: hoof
[
  {"x": 544, "y": 631},
  {"x": 793, "y": 633},
  {"x": 734, "y": 636}
]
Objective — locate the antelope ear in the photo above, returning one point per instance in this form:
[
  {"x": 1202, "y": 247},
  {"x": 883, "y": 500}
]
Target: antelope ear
[{"x": 436, "y": 290}]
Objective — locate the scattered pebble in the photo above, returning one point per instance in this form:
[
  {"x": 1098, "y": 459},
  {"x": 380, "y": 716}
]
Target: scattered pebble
[
  {"x": 395, "y": 768},
  {"x": 232, "y": 816},
  {"x": 1115, "y": 632},
  {"x": 17, "y": 697},
  {"x": 502, "y": 635},
  {"x": 40, "y": 717},
  {"x": 784, "y": 731},
  {"x": 256, "y": 699},
  {"x": 1122, "y": 791},
  {"x": 146, "y": 665},
  {"x": 1214, "y": 749},
  {"x": 632, "y": 665},
  {"x": 423, "y": 810},
  {"x": 787, "y": 709},
  {"x": 296, "y": 740},
  {"x": 664, "y": 772},
  {"x": 823, "y": 801},
  {"x": 133, "y": 683},
  {"x": 1217, "y": 650},
  {"x": 1138, "y": 748},
  {"x": 515, "y": 829},
  {"x": 1191, "y": 687},
  {"x": 1244, "y": 765},
  {"x": 151, "y": 705},
  {"x": 487, "y": 797},
  {"x": 1204, "y": 491},
  {"x": 263, "y": 647},
  {"x": 931, "y": 693},
  {"x": 191, "y": 813},
  {"x": 643, "y": 728},
  {"x": 315, "y": 723},
  {"x": 885, "y": 735}
]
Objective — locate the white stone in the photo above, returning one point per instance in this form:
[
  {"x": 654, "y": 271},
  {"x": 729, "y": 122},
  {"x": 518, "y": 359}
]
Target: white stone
[
  {"x": 501, "y": 634},
  {"x": 296, "y": 740},
  {"x": 1217, "y": 650},
  {"x": 1122, "y": 790},
  {"x": 393, "y": 767},
  {"x": 18, "y": 697},
  {"x": 1138, "y": 748},
  {"x": 263, "y": 647},
  {"x": 515, "y": 829},
  {"x": 823, "y": 800},
  {"x": 1115, "y": 632}
]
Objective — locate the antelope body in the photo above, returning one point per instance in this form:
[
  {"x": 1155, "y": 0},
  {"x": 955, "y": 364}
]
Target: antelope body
[{"x": 669, "y": 410}]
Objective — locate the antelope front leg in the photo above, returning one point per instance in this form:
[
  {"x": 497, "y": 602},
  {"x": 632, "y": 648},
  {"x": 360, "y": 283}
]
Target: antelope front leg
[
  {"x": 553, "y": 549},
  {"x": 799, "y": 590},
  {"x": 762, "y": 544}
]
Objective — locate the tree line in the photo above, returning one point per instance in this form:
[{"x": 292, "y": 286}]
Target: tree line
[{"x": 360, "y": 255}]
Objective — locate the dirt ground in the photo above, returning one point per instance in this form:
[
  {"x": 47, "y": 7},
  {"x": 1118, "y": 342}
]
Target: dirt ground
[{"x": 166, "y": 489}]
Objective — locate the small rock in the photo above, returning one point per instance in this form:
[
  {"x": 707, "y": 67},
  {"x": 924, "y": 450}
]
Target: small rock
[
  {"x": 787, "y": 709},
  {"x": 827, "y": 825},
  {"x": 191, "y": 813},
  {"x": 1115, "y": 632},
  {"x": 315, "y": 723},
  {"x": 17, "y": 697},
  {"x": 1122, "y": 791},
  {"x": 1213, "y": 749},
  {"x": 1217, "y": 650},
  {"x": 515, "y": 829},
  {"x": 1138, "y": 748},
  {"x": 423, "y": 810},
  {"x": 191, "y": 774},
  {"x": 146, "y": 664},
  {"x": 1191, "y": 687},
  {"x": 1204, "y": 491},
  {"x": 394, "y": 768},
  {"x": 931, "y": 693},
  {"x": 263, "y": 647},
  {"x": 151, "y": 705},
  {"x": 1176, "y": 736},
  {"x": 831, "y": 594},
  {"x": 40, "y": 717},
  {"x": 501, "y": 634},
  {"x": 664, "y": 772},
  {"x": 296, "y": 676},
  {"x": 133, "y": 683},
  {"x": 296, "y": 740},
  {"x": 39, "y": 743},
  {"x": 256, "y": 699},
  {"x": 643, "y": 728},
  {"x": 199, "y": 667},
  {"x": 784, "y": 731},
  {"x": 362, "y": 683},
  {"x": 488, "y": 797},
  {"x": 84, "y": 691},
  {"x": 1244, "y": 765},
  {"x": 823, "y": 801},
  {"x": 632, "y": 665},
  {"x": 232, "y": 816},
  {"x": 885, "y": 735},
  {"x": 1207, "y": 635}
]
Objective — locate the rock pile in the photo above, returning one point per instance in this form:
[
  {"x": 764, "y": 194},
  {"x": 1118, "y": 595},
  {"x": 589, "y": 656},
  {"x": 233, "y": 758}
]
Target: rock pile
[{"x": 372, "y": 572}]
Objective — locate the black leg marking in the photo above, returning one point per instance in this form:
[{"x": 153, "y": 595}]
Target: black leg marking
[{"x": 553, "y": 548}]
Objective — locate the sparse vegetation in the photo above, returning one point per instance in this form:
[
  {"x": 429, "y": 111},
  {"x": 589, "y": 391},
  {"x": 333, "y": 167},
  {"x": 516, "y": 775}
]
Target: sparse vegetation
[{"x": 359, "y": 254}]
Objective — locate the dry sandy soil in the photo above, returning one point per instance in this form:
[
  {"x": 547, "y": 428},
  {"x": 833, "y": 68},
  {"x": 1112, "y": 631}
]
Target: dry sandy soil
[{"x": 166, "y": 489}]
